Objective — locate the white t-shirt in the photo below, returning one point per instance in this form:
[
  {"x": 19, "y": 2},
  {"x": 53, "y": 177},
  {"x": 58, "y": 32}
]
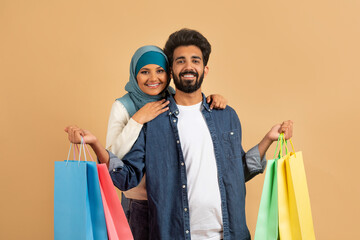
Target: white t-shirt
[{"x": 202, "y": 176}]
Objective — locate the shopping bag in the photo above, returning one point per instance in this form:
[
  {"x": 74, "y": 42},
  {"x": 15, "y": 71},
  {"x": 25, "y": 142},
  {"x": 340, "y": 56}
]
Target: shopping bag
[
  {"x": 267, "y": 222},
  {"x": 295, "y": 218},
  {"x": 288, "y": 215},
  {"x": 116, "y": 222},
  {"x": 78, "y": 207},
  {"x": 267, "y": 227}
]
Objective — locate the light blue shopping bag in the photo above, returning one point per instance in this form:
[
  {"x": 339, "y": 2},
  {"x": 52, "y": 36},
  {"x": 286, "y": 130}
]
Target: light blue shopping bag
[{"x": 78, "y": 207}]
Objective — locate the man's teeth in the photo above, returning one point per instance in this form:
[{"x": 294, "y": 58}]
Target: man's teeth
[{"x": 189, "y": 75}]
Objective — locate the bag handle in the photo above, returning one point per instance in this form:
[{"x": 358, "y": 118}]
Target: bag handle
[
  {"x": 277, "y": 144},
  {"x": 79, "y": 151},
  {"x": 283, "y": 143},
  {"x": 83, "y": 145},
  {"x": 87, "y": 149},
  {"x": 292, "y": 145}
]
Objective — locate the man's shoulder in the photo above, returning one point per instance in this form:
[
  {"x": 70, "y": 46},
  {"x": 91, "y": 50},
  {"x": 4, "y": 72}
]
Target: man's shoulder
[
  {"x": 225, "y": 115},
  {"x": 228, "y": 110}
]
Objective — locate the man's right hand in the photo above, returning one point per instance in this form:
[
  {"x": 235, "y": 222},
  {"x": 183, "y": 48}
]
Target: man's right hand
[{"x": 75, "y": 133}]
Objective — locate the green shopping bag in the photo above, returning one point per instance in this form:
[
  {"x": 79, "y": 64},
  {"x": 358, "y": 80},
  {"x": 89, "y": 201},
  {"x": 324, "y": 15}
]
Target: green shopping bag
[{"x": 267, "y": 226}]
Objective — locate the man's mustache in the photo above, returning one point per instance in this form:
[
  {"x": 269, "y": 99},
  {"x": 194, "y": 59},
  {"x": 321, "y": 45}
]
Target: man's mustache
[{"x": 188, "y": 72}]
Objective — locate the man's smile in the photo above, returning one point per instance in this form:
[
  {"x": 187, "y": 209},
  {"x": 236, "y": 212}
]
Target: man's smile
[{"x": 188, "y": 75}]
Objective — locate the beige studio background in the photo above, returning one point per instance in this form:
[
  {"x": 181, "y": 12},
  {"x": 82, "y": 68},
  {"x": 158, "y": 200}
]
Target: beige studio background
[{"x": 65, "y": 62}]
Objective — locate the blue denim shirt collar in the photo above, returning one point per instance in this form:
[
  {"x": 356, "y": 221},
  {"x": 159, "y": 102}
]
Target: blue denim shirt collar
[{"x": 173, "y": 108}]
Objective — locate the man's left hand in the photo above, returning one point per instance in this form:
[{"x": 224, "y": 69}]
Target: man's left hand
[{"x": 286, "y": 128}]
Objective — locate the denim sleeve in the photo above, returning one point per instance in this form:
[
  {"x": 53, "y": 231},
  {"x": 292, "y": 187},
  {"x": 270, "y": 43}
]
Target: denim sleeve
[
  {"x": 254, "y": 165},
  {"x": 126, "y": 173}
]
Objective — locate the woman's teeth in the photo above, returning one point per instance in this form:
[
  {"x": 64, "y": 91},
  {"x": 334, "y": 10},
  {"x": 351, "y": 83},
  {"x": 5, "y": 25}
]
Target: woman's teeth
[{"x": 153, "y": 85}]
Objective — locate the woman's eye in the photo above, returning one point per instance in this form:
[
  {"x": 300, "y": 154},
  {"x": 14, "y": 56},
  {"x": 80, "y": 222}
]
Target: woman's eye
[
  {"x": 144, "y": 72},
  {"x": 161, "y": 71}
]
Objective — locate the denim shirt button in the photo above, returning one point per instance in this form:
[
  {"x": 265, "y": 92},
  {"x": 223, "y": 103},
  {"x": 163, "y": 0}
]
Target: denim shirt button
[
  {"x": 114, "y": 170},
  {"x": 174, "y": 120},
  {"x": 231, "y": 133},
  {"x": 187, "y": 231},
  {"x": 183, "y": 186},
  {"x": 177, "y": 141},
  {"x": 182, "y": 163},
  {"x": 185, "y": 209},
  {"x": 177, "y": 112}
]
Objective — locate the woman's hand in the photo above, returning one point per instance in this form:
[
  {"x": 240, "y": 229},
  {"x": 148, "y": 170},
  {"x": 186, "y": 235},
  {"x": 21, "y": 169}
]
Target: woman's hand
[
  {"x": 217, "y": 101},
  {"x": 75, "y": 133},
  {"x": 286, "y": 128},
  {"x": 150, "y": 111}
]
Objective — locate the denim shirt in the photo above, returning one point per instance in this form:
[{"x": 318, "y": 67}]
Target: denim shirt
[{"x": 158, "y": 152}]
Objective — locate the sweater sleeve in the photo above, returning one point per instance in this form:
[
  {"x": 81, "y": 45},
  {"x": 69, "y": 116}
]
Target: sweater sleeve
[{"x": 122, "y": 130}]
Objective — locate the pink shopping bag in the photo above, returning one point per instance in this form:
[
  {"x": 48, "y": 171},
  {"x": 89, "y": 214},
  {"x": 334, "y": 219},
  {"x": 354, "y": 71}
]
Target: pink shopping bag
[{"x": 116, "y": 222}]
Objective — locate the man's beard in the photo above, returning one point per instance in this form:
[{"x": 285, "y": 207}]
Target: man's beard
[{"x": 186, "y": 85}]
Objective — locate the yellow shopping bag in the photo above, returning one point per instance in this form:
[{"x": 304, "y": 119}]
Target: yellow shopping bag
[{"x": 295, "y": 219}]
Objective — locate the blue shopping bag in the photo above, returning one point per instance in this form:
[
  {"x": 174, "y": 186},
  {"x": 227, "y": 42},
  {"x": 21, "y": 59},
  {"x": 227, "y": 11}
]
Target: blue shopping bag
[{"x": 78, "y": 207}]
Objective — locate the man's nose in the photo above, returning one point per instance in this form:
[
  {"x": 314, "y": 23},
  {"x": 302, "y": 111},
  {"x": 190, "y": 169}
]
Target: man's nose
[{"x": 188, "y": 66}]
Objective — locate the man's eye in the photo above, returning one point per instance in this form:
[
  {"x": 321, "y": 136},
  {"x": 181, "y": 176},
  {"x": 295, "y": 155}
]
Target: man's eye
[{"x": 180, "y": 61}]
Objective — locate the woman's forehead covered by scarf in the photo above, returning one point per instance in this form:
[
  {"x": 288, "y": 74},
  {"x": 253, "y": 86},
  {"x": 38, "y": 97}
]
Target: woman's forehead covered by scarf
[
  {"x": 143, "y": 54},
  {"x": 151, "y": 58}
]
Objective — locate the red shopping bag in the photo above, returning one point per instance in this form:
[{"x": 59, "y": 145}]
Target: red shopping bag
[{"x": 116, "y": 222}]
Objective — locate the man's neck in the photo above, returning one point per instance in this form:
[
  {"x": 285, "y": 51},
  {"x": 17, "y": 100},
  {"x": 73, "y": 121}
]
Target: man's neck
[{"x": 188, "y": 99}]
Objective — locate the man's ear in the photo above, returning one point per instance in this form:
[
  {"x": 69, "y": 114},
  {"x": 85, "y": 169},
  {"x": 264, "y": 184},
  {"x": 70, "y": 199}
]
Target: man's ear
[{"x": 206, "y": 70}]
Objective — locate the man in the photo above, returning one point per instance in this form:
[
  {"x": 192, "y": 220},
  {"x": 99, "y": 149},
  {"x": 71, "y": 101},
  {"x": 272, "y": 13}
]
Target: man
[{"x": 195, "y": 165}]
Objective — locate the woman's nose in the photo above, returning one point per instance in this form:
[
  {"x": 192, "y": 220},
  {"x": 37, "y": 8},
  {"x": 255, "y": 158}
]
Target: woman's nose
[{"x": 153, "y": 76}]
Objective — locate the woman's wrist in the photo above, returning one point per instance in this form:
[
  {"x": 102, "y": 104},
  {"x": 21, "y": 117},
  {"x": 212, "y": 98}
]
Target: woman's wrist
[{"x": 137, "y": 118}]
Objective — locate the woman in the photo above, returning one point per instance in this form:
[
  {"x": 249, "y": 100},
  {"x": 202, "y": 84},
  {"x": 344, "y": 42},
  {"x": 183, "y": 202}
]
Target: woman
[{"x": 147, "y": 87}]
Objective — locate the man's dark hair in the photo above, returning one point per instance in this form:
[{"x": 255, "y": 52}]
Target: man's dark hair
[{"x": 187, "y": 37}]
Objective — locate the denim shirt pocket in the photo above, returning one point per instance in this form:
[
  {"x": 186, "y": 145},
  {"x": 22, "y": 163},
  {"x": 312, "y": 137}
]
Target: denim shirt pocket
[{"x": 232, "y": 144}]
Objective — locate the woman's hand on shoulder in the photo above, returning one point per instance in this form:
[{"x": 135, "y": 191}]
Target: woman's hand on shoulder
[
  {"x": 150, "y": 111},
  {"x": 217, "y": 101}
]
